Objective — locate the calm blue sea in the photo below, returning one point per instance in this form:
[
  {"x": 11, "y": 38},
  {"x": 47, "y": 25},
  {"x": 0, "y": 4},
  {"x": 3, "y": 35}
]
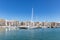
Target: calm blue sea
[{"x": 31, "y": 34}]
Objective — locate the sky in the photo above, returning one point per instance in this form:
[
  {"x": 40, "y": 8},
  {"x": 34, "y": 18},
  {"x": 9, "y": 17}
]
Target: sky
[{"x": 44, "y": 10}]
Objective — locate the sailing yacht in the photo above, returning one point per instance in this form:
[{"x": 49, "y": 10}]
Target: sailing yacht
[
  {"x": 32, "y": 23},
  {"x": 29, "y": 26}
]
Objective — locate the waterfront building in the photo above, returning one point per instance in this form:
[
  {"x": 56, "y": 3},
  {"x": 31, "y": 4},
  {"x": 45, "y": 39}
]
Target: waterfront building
[
  {"x": 49, "y": 25},
  {"x": 37, "y": 24},
  {"x": 22, "y": 24},
  {"x": 53, "y": 24},
  {"x": 15, "y": 23},
  {"x": 57, "y": 25},
  {"x": 28, "y": 23},
  {"x": 46, "y": 25},
  {"x": 12, "y": 23},
  {"x": 40, "y": 24},
  {"x": 2, "y": 22}
]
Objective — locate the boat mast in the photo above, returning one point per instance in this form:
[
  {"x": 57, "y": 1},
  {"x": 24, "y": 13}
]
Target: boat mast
[{"x": 32, "y": 17}]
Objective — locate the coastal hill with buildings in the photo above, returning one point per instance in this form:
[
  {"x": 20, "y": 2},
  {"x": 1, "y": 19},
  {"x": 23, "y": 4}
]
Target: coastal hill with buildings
[{"x": 14, "y": 23}]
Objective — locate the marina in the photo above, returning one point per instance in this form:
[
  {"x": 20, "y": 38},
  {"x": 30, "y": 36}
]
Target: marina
[
  {"x": 15, "y": 24},
  {"x": 29, "y": 19}
]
